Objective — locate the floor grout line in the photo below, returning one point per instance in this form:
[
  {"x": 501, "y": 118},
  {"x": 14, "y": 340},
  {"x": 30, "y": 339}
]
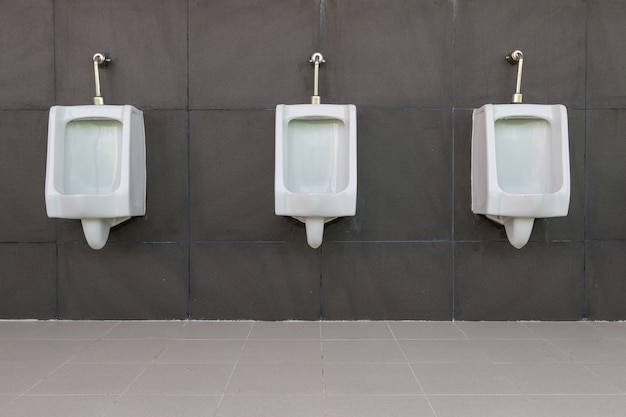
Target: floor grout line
[{"x": 412, "y": 370}]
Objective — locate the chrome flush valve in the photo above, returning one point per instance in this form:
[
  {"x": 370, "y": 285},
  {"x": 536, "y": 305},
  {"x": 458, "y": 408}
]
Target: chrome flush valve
[
  {"x": 100, "y": 60},
  {"x": 512, "y": 58},
  {"x": 316, "y": 59}
]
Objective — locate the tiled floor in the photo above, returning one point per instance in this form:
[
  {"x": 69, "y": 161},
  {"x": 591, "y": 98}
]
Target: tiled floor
[{"x": 292, "y": 369}]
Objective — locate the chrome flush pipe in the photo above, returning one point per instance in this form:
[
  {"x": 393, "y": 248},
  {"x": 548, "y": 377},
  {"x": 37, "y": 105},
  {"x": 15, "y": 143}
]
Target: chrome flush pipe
[
  {"x": 512, "y": 58},
  {"x": 99, "y": 60},
  {"x": 316, "y": 59}
]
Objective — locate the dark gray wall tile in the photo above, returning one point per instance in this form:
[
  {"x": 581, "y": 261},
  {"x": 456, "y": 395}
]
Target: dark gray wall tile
[
  {"x": 27, "y": 51},
  {"x": 23, "y": 138},
  {"x": 606, "y": 174},
  {"x": 404, "y": 177},
  {"x": 167, "y": 193},
  {"x": 268, "y": 281},
  {"x": 395, "y": 281},
  {"x": 606, "y": 269},
  {"x": 495, "y": 281},
  {"x": 147, "y": 41},
  {"x": 123, "y": 281},
  {"x": 251, "y": 54},
  {"x": 28, "y": 281},
  {"x": 232, "y": 178},
  {"x": 606, "y": 31},
  {"x": 390, "y": 54},
  {"x": 554, "y": 57}
]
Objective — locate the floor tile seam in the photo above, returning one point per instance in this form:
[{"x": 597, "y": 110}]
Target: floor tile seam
[
  {"x": 139, "y": 375},
  {"x": 117, "y": 324},
  {"x": 273, "y": 395},
  {"x": 254, "y": 339},
  {"x": 499, "y": 338},
  {"x": 562, "y": 350},
  {"x": 43, "y": 378},
  {"x": 604, "y": 379},
  {"x": 490, "y": 362},
  {"x": 329, "y": 339},
  {"x": 419, "y": 384},
  {"x": 208, "y": 339},
  {"x": 232, "y": 372},
  {"x": 460, "y": 329}
]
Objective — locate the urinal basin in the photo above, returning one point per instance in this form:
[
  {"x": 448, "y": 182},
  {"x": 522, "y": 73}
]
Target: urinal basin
[
  {"x": 95, "y": 165},
  {"x": 520, "y": 160},
  {"x": 315, "y": 173}
]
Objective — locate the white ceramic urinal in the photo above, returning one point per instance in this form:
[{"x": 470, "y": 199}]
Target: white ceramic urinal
[
  {"x": 315, "y": 172},
  {"x": 520, "y": 165},
  {"x": 96, "y": 167},
  {"x": 315, "y": 175}
]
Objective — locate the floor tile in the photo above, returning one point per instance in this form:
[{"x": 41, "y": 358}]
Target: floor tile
[
  {"x": 593, "y": 350},
  {"x": 425, "y": 330},
  {"x": 443, "y": 351},
  {"x": 59, "y": 406},
  {"x": 164, "y": 406},
  {"x": 563, "y": 330},
  {"x": 6, "y": 399},
  {"x": 362, "y": 351},
  {"x": 495, "y": 330},
  {"x": 227, "y": 330},
  {"x": 364, "y": 406},
  {"x": 578, "y": 405},
  {"x": 529, "y": 406},
  {"x": 556, "y": 378},
  {"x": 145, "y": 330},
  {"x": 200, "y": 351},
  {"x": 483, "y": 406},
  {"x": 89, "y": 379},
  {"x": 74, "y": 330},
  {"x": 53, "y": 351},
  {"x": 182, "y": 379},
  {"x": 120, "y": 351},
  {"x": 280, "y": 351},
  {"x": 276, "y": 379},
  {"x": 16, "y": 329},
  {"x": 464, "y": 379},
  {"x": 610, "y": 329},
  {"x": 222, "y": 369},
  {"x": 370, "y": 379},
  {"x": 337, "y": 330},
  {"x": 296, "y": 330},
  {"x": 614, "y": 373},
  {"x": 271, "y": 406},
  {"x": 18, "y": 377},
  {"x": 514, "y": 351}
]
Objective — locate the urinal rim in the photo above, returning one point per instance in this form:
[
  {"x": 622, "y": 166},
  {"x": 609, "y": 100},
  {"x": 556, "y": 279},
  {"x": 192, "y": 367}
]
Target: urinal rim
[
  {"x": 284, "y": 199},
  {"x": 492, "y": 199},
  {"x": 123, "y": 193}
]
